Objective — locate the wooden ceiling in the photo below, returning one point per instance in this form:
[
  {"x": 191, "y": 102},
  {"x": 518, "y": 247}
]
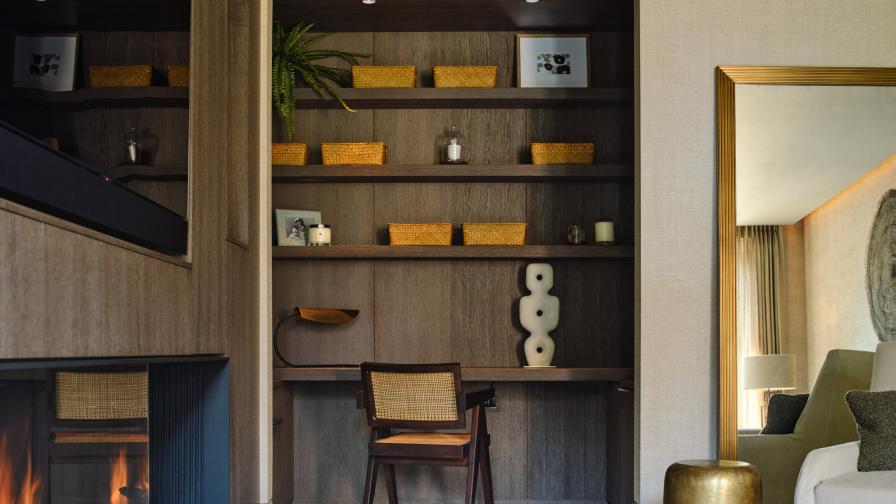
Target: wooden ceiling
[{"x": 457, "y": 15}]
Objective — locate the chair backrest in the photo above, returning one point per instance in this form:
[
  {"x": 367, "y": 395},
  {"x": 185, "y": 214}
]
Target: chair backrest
[
  {"x": 826, "y": 420},
  {"x": 883, "y": 377},
  {"x": 413, "y": 396}
]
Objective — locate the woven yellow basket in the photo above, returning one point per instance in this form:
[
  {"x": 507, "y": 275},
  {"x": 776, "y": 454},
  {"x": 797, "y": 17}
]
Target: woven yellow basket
[
  {"x": 120, "y": 76},
  {"x": 289, "y": 154},
  {"x": 465, "y": 76},
  {"x": 384, "y": 76},
  {"x": 101, "y": 396},
  {"x": 497, "y": 233},
  {"x": 179, "y": 75},
  {"x": 366, "y": 153},
  {"x": 420, "y": 234},
  {"x": 562, "y": 153}
]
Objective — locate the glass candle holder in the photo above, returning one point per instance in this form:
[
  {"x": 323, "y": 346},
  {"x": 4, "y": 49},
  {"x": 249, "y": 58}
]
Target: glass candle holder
[
  {"x": 453, "y": 146},
  {"x": 575, "y": 234},
  {"x": 319, "y": 235}
]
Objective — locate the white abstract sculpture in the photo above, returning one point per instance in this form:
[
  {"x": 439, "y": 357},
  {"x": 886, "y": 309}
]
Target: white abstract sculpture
[{"x": 539, "y": 314}]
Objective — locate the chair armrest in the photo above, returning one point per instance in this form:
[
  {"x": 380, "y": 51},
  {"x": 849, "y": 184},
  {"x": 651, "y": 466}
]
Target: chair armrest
[
  {"x": 478, "y": 398},
  {"x": 778, "y": 458},
  {"x": 824, "y": 463}
]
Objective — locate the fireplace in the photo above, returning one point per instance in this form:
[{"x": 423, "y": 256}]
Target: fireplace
[{"x": 114, "y": 432}]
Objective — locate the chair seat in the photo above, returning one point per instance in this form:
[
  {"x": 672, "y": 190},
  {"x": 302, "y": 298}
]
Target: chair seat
[{"x": 422, "y": 444}]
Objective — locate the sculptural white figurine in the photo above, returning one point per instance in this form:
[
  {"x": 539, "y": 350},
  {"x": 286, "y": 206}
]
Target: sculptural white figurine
[{"x": 539, "y": 314}]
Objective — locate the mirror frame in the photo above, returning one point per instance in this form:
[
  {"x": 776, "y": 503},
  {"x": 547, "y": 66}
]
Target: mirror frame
[{"x": 727, "y": 77}]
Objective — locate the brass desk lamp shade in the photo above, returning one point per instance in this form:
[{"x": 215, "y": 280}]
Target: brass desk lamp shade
[{"x": 330, "y": 316}]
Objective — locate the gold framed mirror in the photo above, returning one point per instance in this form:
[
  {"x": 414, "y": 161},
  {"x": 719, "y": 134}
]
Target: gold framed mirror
[{"x": 728, "y": 80}]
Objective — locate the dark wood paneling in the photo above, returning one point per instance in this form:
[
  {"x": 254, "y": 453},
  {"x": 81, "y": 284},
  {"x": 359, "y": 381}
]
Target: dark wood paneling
[
  {"x": 612, "y": 58},
  {"x": 566, "y": 442},
  {"x": 283, "y": 456},
  {"x": 172, "y": 195},
  {"x": 450, "y": 173},
  {"x": 493, "y": 136},
  {"x": 583, "y": 204},
  {"x": 620, "y": 446},
  {"x": 387, "y": 252},
  {"x": 158, "y": 49},
  {"x": 316, "y": 126},
  {"x": 347, "y": 208},
  {"x": 332, "y": 285},
  {"x": 485, "y": 374},
  {"x": 610, "y": 130}
]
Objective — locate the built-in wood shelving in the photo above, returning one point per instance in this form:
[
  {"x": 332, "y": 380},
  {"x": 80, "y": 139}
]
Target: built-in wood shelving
[
  {"x": 452, "y": 173},
  {"x": 122, "y": 97},
  {"x": 487, "y": 374},
  {"x": 441, "y": 98},
  {"x": 455, "y": 252},
  {"x": 156, "y": 173}
]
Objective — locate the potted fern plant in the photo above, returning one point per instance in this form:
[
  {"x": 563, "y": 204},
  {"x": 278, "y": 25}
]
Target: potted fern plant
[{"x": 295, "y": 60}]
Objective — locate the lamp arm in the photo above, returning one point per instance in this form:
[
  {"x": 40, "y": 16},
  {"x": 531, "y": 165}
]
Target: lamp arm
[{"x": 276, "y": 342}]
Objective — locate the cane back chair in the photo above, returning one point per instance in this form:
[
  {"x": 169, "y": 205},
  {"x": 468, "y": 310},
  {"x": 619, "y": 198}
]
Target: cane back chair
[{"x": 423, "y": 398}]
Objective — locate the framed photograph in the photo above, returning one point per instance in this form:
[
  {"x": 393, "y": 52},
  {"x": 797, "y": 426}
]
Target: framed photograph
[
  {"x": 45, "y": 62},
  {"x": 292, "y": 226},
  {"x": 545, "y": 60}
]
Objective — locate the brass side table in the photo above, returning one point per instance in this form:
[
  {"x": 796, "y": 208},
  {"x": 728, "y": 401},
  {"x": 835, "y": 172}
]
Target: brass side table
[{"x": 712, "y": 482}]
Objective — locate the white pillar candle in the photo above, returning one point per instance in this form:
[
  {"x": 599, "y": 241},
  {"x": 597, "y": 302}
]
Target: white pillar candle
[{"x": 603, "y": 232}]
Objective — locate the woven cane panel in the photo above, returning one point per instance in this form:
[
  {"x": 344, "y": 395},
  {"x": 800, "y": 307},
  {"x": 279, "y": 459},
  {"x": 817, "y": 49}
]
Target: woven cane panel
[
  {"x": 423, "y": 397},
  {"x": 101, "y": 396}
]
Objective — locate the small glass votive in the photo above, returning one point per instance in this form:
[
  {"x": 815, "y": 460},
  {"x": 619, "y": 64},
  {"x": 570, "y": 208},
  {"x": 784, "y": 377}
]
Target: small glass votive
[
  {"x": 575, "y": 235},
  {"x": 319, "y": 235},
  {"x": 603, "y": 233}
]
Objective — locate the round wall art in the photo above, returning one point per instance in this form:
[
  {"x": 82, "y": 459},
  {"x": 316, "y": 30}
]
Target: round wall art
[{"x": 881, "y": 269}]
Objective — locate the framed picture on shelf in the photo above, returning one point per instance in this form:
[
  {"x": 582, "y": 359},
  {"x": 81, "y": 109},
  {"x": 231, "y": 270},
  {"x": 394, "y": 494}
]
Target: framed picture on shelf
[
  {"x": 547, "y": 60},
  {"x": 45, "y": 62},
  {"x": 292, "y": 226}
]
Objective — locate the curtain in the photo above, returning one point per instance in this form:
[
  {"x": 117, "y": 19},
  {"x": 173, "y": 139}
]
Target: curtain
[{"x": 759, "y": 275}]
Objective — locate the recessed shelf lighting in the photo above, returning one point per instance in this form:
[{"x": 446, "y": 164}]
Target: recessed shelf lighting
[
  {"x": 531, "y": 1},
  {"x": 368, "y": 2}
]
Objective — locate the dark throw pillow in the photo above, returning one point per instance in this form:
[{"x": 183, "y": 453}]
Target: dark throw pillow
[
  {"x": 875, "y": 414},
  {"x": 783, "y": 412}
]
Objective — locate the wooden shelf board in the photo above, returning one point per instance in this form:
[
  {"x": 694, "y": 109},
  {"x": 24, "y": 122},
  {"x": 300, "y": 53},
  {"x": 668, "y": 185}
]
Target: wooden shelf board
[
  {"x": 124, "y": 97},
  {"x": 455, "y": 252},
  {"x": 157, "y": 173},
  {"x": 452, "y": 173},
  {"x": 353, "y": 374},
  {"x": 432, "y": 98}
]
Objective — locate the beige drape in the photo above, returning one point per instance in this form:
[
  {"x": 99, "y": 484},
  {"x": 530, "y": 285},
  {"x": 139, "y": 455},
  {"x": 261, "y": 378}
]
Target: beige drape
[{"x": 759, "y": 277}]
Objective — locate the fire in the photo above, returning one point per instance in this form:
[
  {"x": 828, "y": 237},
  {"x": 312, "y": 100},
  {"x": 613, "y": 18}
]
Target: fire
[
  {"x": 29, "y": 488},
  {"x": 120, "y": 481}
]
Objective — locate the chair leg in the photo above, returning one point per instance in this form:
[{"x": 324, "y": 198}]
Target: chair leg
[
  {"x": 389, "y": 475},
  {"x": 473, "y": 462},
  {"x": 370, "y": 484},
  {"x": 486, "y": 466}
]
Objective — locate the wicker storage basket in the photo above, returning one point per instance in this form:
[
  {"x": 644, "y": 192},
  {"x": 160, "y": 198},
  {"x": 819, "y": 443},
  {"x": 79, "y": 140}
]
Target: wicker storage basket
[
  {"x": 465, "y": 76},
  {"x": 420, "y": 234},
  {"x": 364, "y": 153},
  {"x": 120, "y": 76},
  {"x": 384, "y": 76},
  {"x": 499, "y": 233},
  {"x": 289, "y": 154},
  {"x": 562, "y": 153},
  {"x": 101, "y": 396},
  {"x": 179, "y": 75}
]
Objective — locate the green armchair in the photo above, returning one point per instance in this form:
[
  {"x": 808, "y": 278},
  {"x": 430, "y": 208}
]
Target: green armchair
[{"x": 825, "y": 421}]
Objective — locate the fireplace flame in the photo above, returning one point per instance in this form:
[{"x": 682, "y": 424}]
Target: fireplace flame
[
  {"x": 119, "y": 483},
  {"x": 29, "y": 488}
]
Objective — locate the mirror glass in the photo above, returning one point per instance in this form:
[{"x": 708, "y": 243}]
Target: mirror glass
[{"x": 813, "y": 165}]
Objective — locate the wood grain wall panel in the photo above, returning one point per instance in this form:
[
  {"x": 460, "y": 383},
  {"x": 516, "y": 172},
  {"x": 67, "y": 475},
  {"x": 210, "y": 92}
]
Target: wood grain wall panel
[
  {"x": 610, "y": 129},
  {"x": 66, "y": 295},
  {"x": 336, "y": 125},
  {"x": 284, "y": 434},
  {"x": 239, "y": 72},
  {"x": 348, "y": 208},
  {"x": 596, "y": 315},
  {"x": 584, "y": 204},
  {"x": 172, "y": 195},
  {"x": 426, "y": 49},
  {"x": 612, "y": 58},
  {"x": 447, "y": 202},
  {"x": 353, "y": 42},
  {"x": 156, "y": 48},
  {"x": 566, "y": 442},
  {"x": 333, "y": 284},
  {"x": 493, "y": 136}
]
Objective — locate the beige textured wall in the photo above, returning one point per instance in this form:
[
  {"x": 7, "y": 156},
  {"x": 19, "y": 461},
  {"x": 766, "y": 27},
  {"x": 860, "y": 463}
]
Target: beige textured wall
[
  {"x": 793, "y": 301},
  {"x": 836, "y": 248},
  {"x": 680, "y": 44}
]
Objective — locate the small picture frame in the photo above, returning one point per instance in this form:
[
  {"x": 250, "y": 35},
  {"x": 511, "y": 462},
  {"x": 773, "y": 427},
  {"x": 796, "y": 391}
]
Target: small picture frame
[
  {"x": 292, "y": 226},
  {"x": 553, "y": 60},
  {"x": 45, "y": 61}
]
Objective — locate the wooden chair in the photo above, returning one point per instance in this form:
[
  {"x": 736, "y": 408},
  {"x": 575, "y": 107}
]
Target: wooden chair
[{"x": 423, "y": 398}]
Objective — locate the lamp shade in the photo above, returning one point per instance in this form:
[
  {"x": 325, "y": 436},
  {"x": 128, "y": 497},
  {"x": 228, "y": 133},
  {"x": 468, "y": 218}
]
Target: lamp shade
[{"x": 777, "y": 372}]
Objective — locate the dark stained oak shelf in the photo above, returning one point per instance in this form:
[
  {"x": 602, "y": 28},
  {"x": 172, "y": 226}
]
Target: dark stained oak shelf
[
  {"x": 558, "y": 374},
  {"x": 439, "y": 98},
  {"x": 454, "y": 252},
  {"x": 123, "y": 97},
  {"x": 452, "y": 173},
  {"x": 157, "y": 173}
]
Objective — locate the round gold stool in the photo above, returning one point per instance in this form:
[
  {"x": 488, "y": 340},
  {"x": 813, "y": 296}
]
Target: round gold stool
[{"x": 712, "y": 482}]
